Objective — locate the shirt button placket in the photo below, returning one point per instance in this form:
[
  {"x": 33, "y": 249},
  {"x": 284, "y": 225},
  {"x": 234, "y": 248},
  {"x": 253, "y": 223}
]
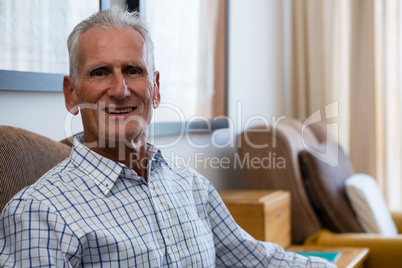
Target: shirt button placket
[{"x": 163, "y": 222}]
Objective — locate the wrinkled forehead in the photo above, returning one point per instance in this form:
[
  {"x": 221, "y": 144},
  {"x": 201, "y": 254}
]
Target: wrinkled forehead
[
  {"x": 107, "y": 39},
  {"x": 98, "y": 37}
]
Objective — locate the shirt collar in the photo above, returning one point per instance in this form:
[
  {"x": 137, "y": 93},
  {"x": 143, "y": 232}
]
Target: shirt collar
[{"x": 103, "y": 171}]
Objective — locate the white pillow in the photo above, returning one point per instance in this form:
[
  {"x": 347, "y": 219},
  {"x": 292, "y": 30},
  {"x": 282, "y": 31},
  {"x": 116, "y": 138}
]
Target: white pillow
[{"x": 369, "y": 205}]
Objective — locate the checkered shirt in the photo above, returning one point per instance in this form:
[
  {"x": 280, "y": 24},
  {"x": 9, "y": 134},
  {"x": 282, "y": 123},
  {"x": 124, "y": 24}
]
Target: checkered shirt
[{"x": 90, "y": 211}]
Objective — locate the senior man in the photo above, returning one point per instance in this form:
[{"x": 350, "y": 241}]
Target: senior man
[{"x": 115, "y": 202}]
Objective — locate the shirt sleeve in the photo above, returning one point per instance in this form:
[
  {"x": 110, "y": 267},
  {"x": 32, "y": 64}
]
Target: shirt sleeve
[
  {"x": 32, "y": 235},
  {"x": 236, "y": 248}
]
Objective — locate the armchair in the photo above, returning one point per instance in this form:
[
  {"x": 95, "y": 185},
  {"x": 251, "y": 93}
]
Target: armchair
[
  {"x": 321, "y": 213},
  {"x": 24, "y": 157}
]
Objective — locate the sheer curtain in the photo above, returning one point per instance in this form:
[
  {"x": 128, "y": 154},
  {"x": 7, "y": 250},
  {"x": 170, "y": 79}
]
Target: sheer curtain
[
  {"x": 187, "y": 40},
  {"x": 320, "y": 56},
  {"x": 348, "y": 53},
  {"x": 376, "y": 118},
  {"x": 33, "y": 34}
]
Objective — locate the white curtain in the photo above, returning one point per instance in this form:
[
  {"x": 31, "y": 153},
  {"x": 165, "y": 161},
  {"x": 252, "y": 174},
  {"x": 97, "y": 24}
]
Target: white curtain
[
  {"x": 349, "y": 52},
  {"x": 376, "y": 128},
  {"x": 33, "y": 34},
  {"x": 208, "y": 30},
  {"x": 320, "y": 61}
]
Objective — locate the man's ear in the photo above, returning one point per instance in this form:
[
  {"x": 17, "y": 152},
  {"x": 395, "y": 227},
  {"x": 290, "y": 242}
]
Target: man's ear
[
  {"x": 70, "y": 95},
  {"x": 157, "y": 95}
]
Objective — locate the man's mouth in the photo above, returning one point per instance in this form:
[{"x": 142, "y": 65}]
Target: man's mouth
[{"x": 119, "y": 110}]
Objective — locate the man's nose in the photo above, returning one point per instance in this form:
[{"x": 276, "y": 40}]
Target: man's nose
[{"x": 119, "y": 89}]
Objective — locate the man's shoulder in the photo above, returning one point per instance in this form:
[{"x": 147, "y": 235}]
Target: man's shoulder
[
  {"x": 63, "y": 167},
  {"x": 183, "y": 169},
  {"x": 48, "y": 182},
  {"x": 187, "y": 173}
]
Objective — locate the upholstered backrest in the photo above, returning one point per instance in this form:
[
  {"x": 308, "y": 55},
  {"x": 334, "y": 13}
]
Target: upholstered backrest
[
  {"x": 281, "y": 145},
  {"x": 24, "y": 157}
]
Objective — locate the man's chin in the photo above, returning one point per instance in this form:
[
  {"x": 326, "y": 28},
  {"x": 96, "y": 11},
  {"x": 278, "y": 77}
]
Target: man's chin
[{"x": 125, "y": 137}]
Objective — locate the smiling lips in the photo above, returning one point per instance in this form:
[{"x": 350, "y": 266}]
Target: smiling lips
[{"x": 119, "y": 110}]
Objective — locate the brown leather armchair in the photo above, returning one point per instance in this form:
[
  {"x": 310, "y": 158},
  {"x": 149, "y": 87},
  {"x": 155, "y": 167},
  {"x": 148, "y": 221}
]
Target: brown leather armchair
[{"x": 289, "y": 156}]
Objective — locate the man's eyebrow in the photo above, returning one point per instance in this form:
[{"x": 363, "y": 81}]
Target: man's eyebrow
[
  {"x": 135, "y": 64},
  {"x": 141, "y": 66},
  {"x": 98, "y": 66}
]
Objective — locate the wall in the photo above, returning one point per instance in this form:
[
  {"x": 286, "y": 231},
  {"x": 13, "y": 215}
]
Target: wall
[
  {"x": 257, "y": 91},
  {"x": 40, "y": 112},
  {"x": 257, "y": 69}
]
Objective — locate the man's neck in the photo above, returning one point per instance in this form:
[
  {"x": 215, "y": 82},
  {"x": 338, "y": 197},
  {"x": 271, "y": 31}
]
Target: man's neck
[{"x": 133, "y": 155}]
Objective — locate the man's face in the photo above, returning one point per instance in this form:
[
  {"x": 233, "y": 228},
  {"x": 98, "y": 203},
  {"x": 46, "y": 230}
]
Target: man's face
[{"x": 115, "y": 90}]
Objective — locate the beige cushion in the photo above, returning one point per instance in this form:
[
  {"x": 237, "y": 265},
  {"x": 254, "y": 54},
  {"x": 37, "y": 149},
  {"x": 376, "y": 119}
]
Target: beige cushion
[
  {"x": 369, "y": 205},
  {"x": 325, "y": 185},
  {"x": 24, "y": 157}
]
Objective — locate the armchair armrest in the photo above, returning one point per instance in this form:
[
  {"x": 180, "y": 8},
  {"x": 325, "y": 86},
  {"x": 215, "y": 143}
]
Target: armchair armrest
[
  {"x": 397, "y": 217},
  {"x": 384, "y": 251}
]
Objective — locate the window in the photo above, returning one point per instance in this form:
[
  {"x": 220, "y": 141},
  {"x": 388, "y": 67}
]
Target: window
[
  {"x": 39, "y": 64},
  {"x": 190, "y": 53},
  {"x": 32, "y": 33}
]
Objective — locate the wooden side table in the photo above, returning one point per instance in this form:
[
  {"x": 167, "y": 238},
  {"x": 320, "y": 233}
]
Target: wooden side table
[
  {"x": 350, "y": 257},
  {"x": 264, "y": 214}
]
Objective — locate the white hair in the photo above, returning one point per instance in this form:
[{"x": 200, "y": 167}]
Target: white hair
[{"x": 110, "y": 19}]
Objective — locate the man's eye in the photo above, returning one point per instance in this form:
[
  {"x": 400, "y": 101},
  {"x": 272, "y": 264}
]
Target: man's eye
[
  {"x": 98, "y": 73},
  {"x": 133, "y": 71}
]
